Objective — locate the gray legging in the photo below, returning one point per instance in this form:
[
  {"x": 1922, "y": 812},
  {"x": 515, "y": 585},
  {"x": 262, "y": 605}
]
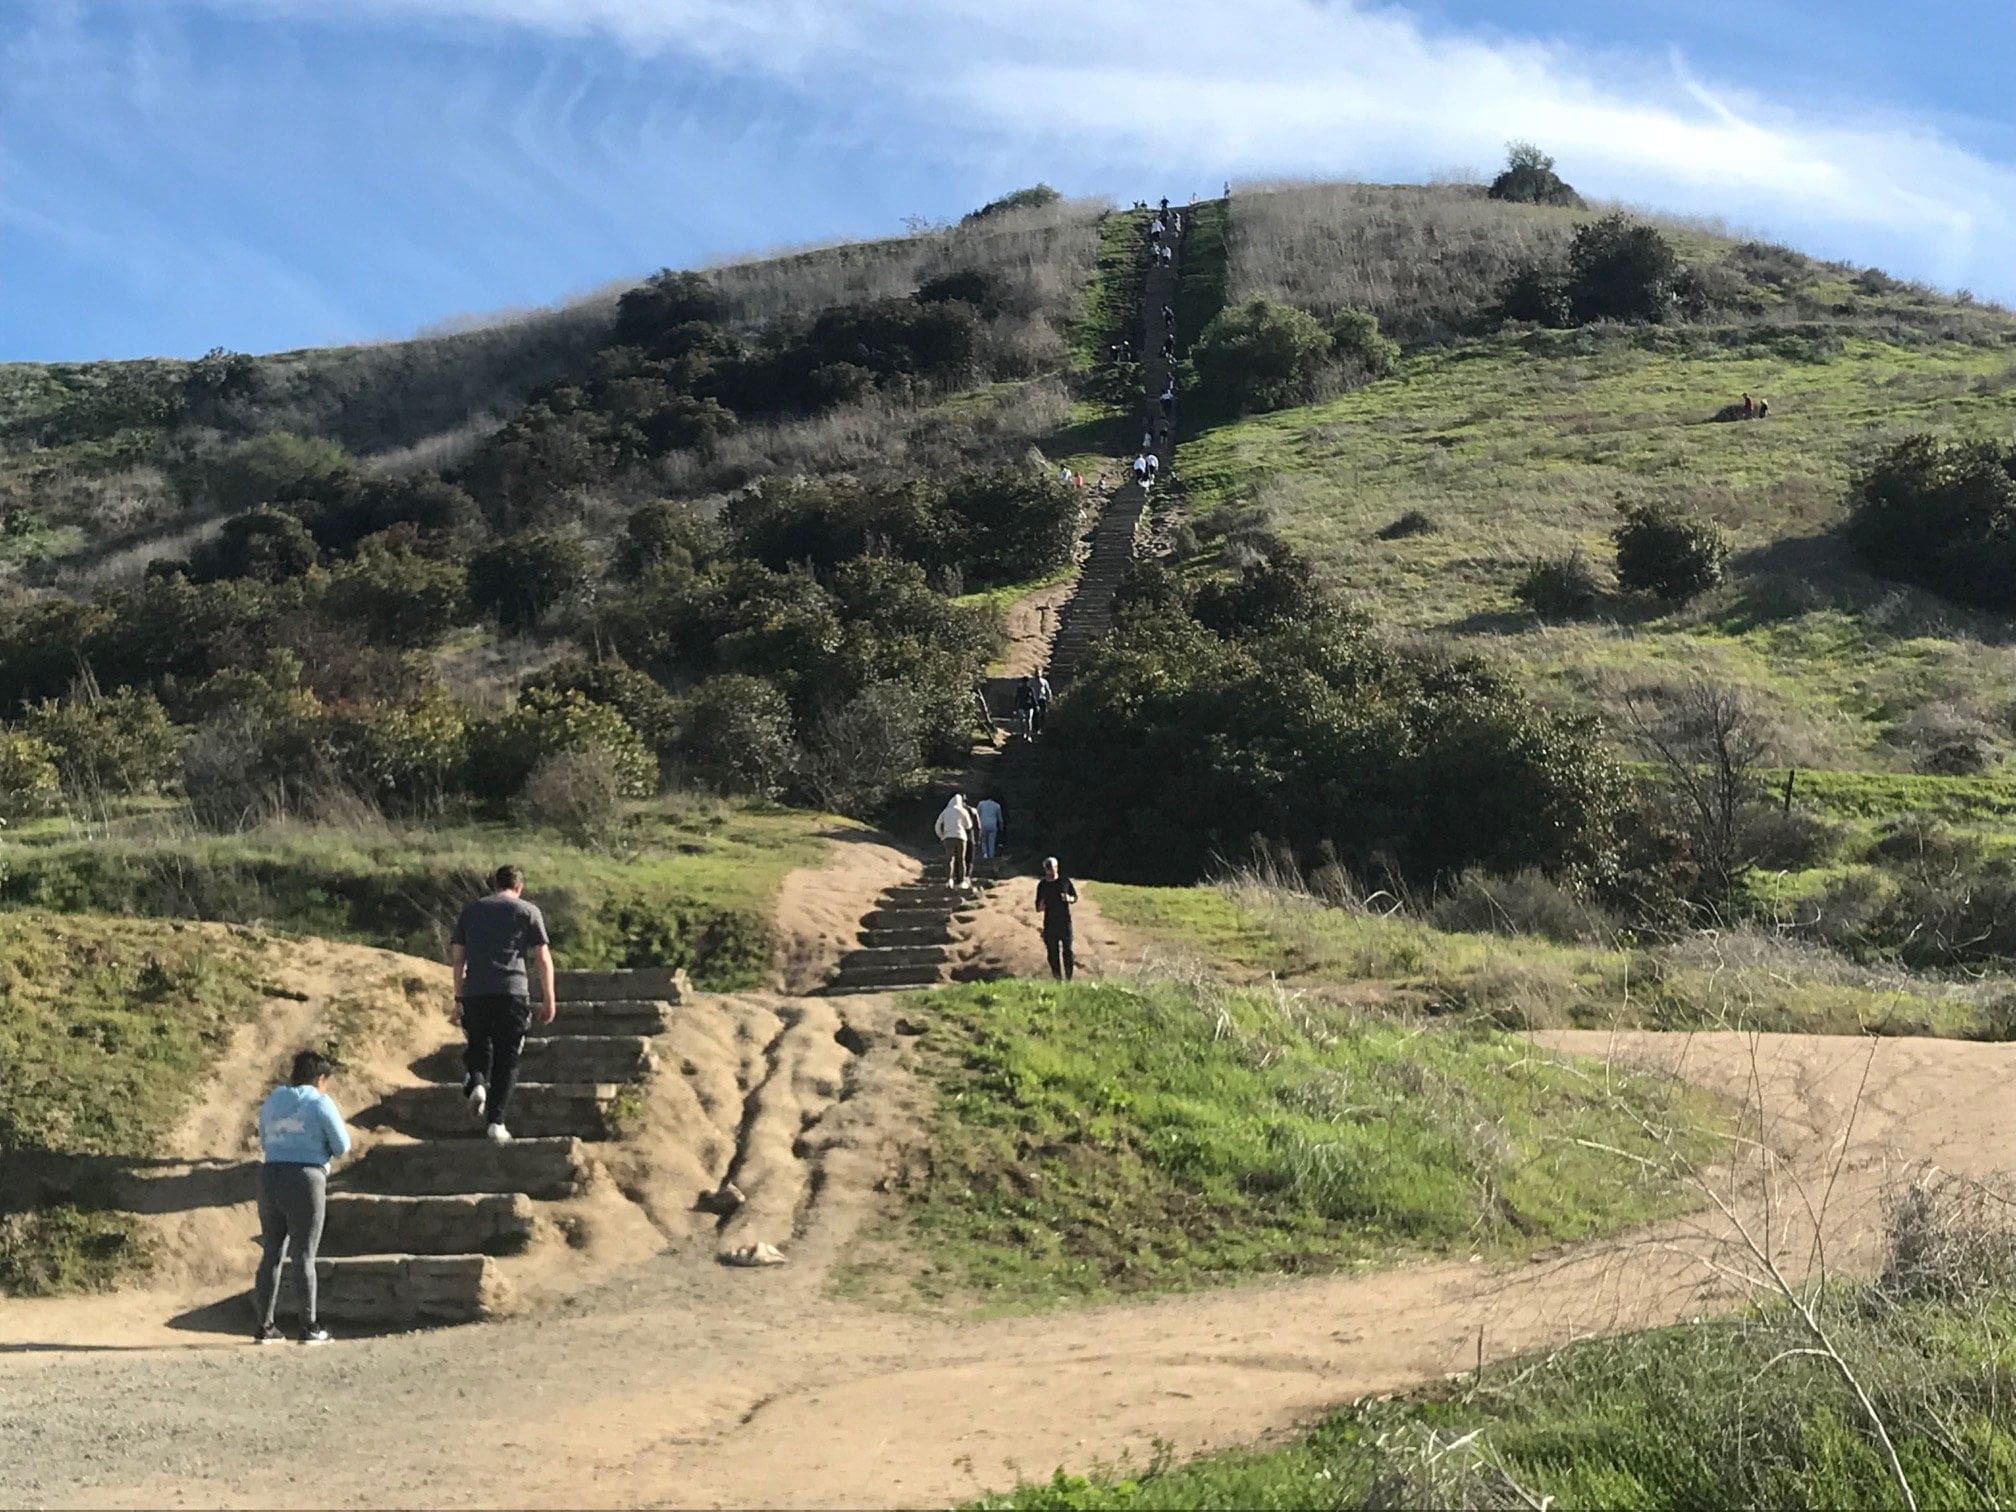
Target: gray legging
[{"x": 291, "y": 1202}]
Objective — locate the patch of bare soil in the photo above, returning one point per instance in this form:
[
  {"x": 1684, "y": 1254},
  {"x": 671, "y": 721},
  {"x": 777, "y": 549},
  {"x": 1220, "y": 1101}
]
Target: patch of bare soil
[
  {"x": 1030, "y": 624},
  {"x": 1002, "y": 936},
  {"x": 819, "y": 908}
]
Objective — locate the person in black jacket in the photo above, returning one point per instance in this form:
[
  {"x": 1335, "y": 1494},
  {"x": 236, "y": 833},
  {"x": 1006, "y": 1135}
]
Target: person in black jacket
[{"x": 1054, "y": 897}]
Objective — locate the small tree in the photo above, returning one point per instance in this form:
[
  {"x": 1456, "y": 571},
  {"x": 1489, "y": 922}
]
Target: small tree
[
  {"x": 1529, "y": 179},
  {"x": 265, "y": 543},
  {"x": 1621, "y": 269},
  {"x": 524, "y": 576},
  {"x": 1263, "y": 356},
  {"x": 1664, "y": 550},
  {"x": 503, "y": 752},
  {"x": 108, "y": 746},
  {"x": 734, "y": 734},
  {"x": 1356, "y": 339}
]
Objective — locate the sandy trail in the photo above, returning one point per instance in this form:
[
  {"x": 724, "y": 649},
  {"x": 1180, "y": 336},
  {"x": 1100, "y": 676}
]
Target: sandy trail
[{"x": 680, "y": 1382}]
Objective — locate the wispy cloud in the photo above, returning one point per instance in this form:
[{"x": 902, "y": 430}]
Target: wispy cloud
[{"x": 1301, "y": 86}]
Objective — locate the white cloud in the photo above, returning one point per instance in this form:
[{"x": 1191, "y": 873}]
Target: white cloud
[{"x": 1190, "y": 87}]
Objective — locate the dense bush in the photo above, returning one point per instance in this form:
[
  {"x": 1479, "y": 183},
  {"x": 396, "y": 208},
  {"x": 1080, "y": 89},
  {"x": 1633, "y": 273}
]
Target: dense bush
[
  {"x": 1262, "y": 356},
  {"x": 1356, "y": 342},
  {"x": 1617, "y": 269},
  {"x": 642, "y": 701},
  {"x": 1529, "y": 903},
  {"x": 1941, "y": 514},
  {"x": 110, "y": 746},
  {"x": 29, "y": 782},
  {"x": 504, "y": 751},
  {"x": 393, "y": 596},
  {"x": 1178, "y": 745},
  {"x": 862, "y": 753},
  {"x": 521, "y": 577},
  {"x": 1563, "y": 587},
  {"x": 735, "y": 735},
  {"x": 265, "y": 543},
  {"x": 1664, "y": 550},
  {"x": 1035, "y": 197},
  {"x": 1529, "y": 179}
]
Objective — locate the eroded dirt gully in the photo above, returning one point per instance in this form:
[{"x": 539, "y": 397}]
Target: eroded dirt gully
[{"x": 678, "y": 1381}]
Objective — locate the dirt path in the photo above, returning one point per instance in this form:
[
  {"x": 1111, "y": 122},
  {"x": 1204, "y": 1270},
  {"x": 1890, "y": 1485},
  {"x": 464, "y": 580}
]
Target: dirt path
[{"x": 679, "y": 1381}]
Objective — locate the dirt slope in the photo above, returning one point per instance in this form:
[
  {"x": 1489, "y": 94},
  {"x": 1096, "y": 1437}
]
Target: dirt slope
[{"x": 679, "y": 1381}]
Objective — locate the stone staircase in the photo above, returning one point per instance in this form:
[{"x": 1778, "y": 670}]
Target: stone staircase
[
  {"x": 905, "y": 940},
  {"x": 419, "y": 1225}
]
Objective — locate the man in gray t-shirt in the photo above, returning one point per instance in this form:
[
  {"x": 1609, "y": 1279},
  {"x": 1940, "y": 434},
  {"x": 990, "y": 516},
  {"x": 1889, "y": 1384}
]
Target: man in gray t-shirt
[{"x": 499, "y": 941}]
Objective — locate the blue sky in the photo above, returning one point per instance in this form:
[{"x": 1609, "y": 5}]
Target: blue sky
[{"x": 260, "y": 174}]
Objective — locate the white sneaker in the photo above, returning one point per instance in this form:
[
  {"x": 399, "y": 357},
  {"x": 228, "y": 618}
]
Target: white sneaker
[
  {"x": 499, "y": 1134},
  {"x": 476, "y": 1096}
]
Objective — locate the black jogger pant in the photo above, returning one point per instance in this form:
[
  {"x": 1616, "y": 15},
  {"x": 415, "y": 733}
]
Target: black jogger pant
[
  {"x": 1062, "y": 962},
  {"x": 495, "y": 1028},
  {"x": 291, "y": 1202}
]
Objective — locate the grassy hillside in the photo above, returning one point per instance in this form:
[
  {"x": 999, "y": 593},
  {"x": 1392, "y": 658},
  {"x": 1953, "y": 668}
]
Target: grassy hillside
[
  {"x": 105, "y": 1030},
  {"x": 1098, "y": 1140}
]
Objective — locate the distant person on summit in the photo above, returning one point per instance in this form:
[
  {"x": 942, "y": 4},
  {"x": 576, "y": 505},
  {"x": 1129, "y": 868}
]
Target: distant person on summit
[
  {"x": 300, "y": 1132},
  {"x": 1054, "y": 897},
  {"x": 498, "y": 940}
]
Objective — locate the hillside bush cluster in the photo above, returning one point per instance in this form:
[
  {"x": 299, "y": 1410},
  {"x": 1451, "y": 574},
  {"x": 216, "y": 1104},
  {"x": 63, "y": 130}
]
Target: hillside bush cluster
[
  {"x": 1617, "y": 268},
  {"x": 1529, "y": 179},
  {"x": 1667, "y": 551},
  {"x": 1942, "y": 514},
  {"x": 1265, "y": 355},
  {"x": 1252, "y": 707}
]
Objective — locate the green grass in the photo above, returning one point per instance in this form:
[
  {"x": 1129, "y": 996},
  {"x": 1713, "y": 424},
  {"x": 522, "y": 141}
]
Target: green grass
[
  {"x": 1521, "y": 981},
  {"x": 1519, "y": 446},
  {"x": 1100, "y": 1140},
  {"x": 1112, "y": 306},
  {"x": 106, "y": 1028},
  {"x": 1200, "y": 268},
  {"x": 1706, "y": 1415},
  {"x": 686, "y": 885}
]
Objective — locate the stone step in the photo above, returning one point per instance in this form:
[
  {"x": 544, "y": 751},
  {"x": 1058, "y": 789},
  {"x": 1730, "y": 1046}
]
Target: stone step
[
  {"x": 395, "y": 1289},
  {"x": 882, "y": 939},
  {"x": 907, "y": 918},
  {"x": 561, "y": 1058},
  {"x": 642, "y": 1018},
  {"x": 367, "y": 1223},
  {"x": 893, "y": 955},
  {"x": 656, "y": 984},
  {"x": 875, "y": 978},
  {"x": 547, "y": 1169},
  {"x": 920, "y": 895},
  {"x": 578, "y": 1110}
]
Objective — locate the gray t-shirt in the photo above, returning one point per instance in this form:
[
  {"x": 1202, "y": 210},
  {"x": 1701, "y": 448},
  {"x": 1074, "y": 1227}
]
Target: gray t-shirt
[{"x": 495, "y": 933}]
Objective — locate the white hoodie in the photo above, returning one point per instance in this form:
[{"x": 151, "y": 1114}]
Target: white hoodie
[{"x": 955, "y": 821}]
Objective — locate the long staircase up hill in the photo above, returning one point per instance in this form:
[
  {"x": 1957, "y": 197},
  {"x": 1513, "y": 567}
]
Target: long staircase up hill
[
  {"x": 906, "y": 940},
  {"x": 419, "y": 1226}
]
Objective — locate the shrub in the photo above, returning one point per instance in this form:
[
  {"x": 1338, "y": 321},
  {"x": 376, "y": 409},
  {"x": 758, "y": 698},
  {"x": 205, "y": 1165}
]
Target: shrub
[
  {"x": 1035, "y": 197},
  {"x": 663, "y": 303},
  {"x": 1357, "y": 343},
  {"x": 667, "y": 536},
  {"x": 644, "y": 704},
  {"x": 1535, "y": 295},
  {"x": 1560, "y": 588},
  {"x": 264, "y": 470},
  {"x": 974, "y": 286},
  {"x": 504, "y": 751},
  {"x": 1780, "y": 839},
  {"x": 1528, "y": 903},
  {"x": 1621, "y": 269},
  {"x": 578, "y": 792},
  {"x": 109, "y": 746},
  {"x": 1262, "y": 356},
  {"x": 1529, "y": 179},
  {"x": 395, "y": 596},
  {"x": 29, "y": 781},
  {"x": 860, "y": 755},
  {"x": 407, "y": 758},
  {"x": 1941, "y": 514},
  {"x": 1014, "y": 523},
  {"x": 266, "y": 543},
  {"x": 1667, "y": 552},
  {"x": 524, "y": 576},
  {"x": 241, "y": 766},
  {"x": 1412, "y": 523},
  {"x": 734, "y": 734}
]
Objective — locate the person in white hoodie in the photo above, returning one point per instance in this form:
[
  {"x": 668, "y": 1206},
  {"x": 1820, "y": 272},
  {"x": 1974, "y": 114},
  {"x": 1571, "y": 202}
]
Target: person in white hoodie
[{"x": 955, "y": 829}]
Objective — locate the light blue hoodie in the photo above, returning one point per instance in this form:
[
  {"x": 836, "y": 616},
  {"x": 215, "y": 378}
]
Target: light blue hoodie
[{"x": 300, "y": 1126}]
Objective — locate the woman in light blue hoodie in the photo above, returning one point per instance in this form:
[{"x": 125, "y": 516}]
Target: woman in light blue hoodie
[{"x": 300, "y": 1132}]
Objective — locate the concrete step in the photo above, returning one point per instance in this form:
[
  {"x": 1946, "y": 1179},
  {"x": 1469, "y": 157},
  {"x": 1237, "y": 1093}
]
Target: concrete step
[
  {"x": 396, "y": 1289},
  {"x": 907, "y": 918},
  {"x": 656, "y": 984},
  {"x": 547, "y": 1169},
  {"x": 875, "y": 978},
  {"x": 577, "y": 1110},
  {"x": 560, "y": 1058},
  {"x": 920, "y": 895},
  {"x": 882, "y": 939},
  {"x": 893, "y": 955},
  {"x": 642, "y": 1018},
  {"x": 366, "y": 1223}
]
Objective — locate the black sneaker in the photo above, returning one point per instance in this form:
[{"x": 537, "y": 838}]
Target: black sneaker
[
  {"x": 267, "y": 1334},
  {"x": 315, "y": 1336}
]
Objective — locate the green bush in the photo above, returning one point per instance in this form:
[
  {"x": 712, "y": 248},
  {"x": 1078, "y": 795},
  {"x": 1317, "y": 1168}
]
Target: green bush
[
  {"x": 407, "y": 758},
  {"x": 29, "y": 782},
  {"x": 265, "y": 543},
  {"x": 1941, "y": 514},
  {"x": 1621, "y": 269},
  {"x": 263, "y": 470},
  {"x": 1529, "y": 179},
  {"x": 1664, "y": 550},
  {"x": 523, "y": 576},
  {"x": 1356, "y": 340},
  {"x": 395, "y": 596},
  {"x": 1262, "y": 356},
  {"x": 734, "y": 735},
  {"x": 1035, "y": 197},
  {"x": 504, "y": 751},
  {"x": 108, "y": 746},
  {"x": 1560, "y": 588}
]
